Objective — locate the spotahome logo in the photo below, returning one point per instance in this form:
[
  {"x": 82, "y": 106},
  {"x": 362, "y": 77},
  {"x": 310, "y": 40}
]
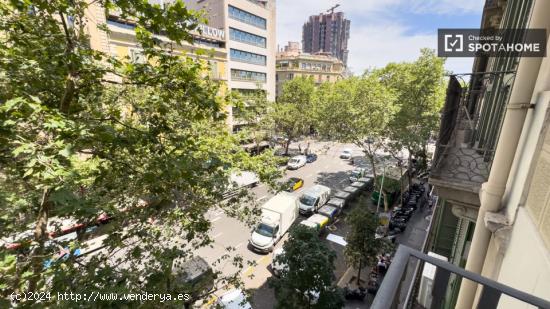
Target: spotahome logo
[{"x": 493, "y": 43}]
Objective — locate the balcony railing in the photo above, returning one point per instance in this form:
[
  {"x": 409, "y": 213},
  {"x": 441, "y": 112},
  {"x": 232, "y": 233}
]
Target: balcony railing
[
  {"x": 387, "y": 296},
  {"x": 470, "y": 126}
]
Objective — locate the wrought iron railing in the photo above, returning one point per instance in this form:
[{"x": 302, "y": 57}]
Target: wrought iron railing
[
  {"x": 387, "y": 296},
  {"x": 470, "y": 125}
]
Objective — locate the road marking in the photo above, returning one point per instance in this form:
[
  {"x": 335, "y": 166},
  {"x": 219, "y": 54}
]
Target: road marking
[
  {"x": 261, "y": 198},
  {"x": 248, "y": 271},
  {"x": 309, "y": 175},
  {"x": 264, "y": 259},
  {"x": 239, "y": 245},
  {"x": 210, "y": 302},
  {"x": 215, "y": 219},
  {"x": 217, "y": 235}
]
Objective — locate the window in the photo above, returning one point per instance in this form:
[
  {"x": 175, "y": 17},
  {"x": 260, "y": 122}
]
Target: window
[
  {"x": 240, "y": 55},
  {"x": 247, "y": 18},
  {"x": 248, "y": 38},
  {"x": 248, "y": 76}
]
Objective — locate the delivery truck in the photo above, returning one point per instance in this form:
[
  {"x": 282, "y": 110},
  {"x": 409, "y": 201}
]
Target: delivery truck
[{"x": 278, "y": 214}]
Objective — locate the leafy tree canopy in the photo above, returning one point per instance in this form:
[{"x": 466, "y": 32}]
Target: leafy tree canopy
[
  {"x": 84, "y": 134},
  {"x": 306, "y": 280}
]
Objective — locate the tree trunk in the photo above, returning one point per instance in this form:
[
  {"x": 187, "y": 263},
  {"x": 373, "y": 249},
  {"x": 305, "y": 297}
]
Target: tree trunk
[
  {"x": 359, "y": 274},
  {"x": 40, "y": 236},
  {"x": 286, "y": 146}
]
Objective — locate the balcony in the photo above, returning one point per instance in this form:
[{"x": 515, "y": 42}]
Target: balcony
[
  {"x": 470, "y": 126},
  {"x": 493, "y": 295}
]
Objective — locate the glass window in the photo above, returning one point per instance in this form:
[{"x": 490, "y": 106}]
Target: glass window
[
  {"x": 248, "y": 76},
  {"x": 239, "y": 55},
  {"x": 246, "y": 17}
]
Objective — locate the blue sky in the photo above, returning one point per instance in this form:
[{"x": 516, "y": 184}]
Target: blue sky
[{"x": 385, "y": 31}]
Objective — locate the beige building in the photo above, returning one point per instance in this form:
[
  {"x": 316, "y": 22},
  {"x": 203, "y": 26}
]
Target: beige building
[
  {"x": 250, "y": 42},
  {"x": 240, "y": 35},
  {"x": 491, "y": 170},
  {"x": 292, "y": 62}
]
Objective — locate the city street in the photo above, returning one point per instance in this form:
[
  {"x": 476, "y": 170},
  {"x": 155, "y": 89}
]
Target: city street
[{"x": 328, "y": 170}]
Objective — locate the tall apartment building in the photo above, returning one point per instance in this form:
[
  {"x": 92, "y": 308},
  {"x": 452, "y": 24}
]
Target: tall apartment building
[
  {"x": 292, "y": 63},
  {"x": 251, "y": 45},
  {"x": 327, "y": 33}
]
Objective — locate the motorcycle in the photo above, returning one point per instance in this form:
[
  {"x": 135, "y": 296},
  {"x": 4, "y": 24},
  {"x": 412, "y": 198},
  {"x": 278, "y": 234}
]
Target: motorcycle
[{"x": 357, "y": 294}]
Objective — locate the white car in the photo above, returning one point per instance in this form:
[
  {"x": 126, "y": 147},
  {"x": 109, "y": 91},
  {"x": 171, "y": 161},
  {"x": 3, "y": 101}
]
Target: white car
[
  {"x": 345, "y": 154},
  {"x": 234, "y": 299},
  {"x": 296, "y": 162}
]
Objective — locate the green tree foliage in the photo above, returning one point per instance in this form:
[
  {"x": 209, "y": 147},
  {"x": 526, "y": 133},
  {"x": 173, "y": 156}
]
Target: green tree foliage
[
  {"x": 252, "y": 109},
  {"x": 84, "y": 134},
  {"x": 363, "y": 247},
  {"x": 292, "y": 115},
  {"x": 355, "y": 110},
  {"x": 306, "y": 280},
  {"x": 420, "y": 90}
]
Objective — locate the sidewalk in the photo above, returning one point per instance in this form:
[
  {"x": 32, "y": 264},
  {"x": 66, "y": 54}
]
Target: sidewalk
[{"x": 413, "y": 237}]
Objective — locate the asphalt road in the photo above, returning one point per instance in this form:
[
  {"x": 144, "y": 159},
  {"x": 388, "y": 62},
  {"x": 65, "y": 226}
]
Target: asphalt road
[{"x": 328, "y": 170}]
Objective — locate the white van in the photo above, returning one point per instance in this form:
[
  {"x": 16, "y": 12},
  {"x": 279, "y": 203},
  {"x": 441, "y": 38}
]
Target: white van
[
  {"x": 296, "y": 162},
  {"x": 313, "y": 198}
]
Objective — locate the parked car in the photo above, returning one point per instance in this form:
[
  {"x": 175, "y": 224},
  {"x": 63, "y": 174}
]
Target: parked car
[
  {"x": 345, "y": 154},
  {"x": 293, "y": 184},
  {"x": 310, "y": 158},
  {"x": 313, "y": 198},
  {"x": 234, "y": 299},
  {"x": 296, "y": 162}
]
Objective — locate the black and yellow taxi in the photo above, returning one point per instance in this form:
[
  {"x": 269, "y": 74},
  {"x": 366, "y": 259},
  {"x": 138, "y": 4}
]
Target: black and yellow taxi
[{"x": 293, "y": 184}]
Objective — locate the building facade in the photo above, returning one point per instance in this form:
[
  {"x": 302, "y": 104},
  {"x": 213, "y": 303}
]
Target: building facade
[
  {"x": 327, "y": 33},
  {"x": 490, "y": 169},
  {"x": 291, "y": 63},
  {"x": 250, "y": 43}
]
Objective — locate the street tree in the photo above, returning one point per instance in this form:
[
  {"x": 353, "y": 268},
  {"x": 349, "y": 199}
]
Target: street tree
[
  {"x": 420, "y": 90},
  {"x": 306, "y": 280},
  {"x": 292, "y": 114},
  {"x": 362, "y": 245},
  {"x": 86, "y": 137},
  {"x": 251, "y": 108},
  {"x": 356, "y": 110}
]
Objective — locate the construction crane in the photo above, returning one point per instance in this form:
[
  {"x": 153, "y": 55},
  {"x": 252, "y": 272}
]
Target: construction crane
[{"x": 331, "y": 10}]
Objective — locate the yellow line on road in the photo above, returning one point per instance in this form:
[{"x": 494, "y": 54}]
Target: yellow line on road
[
  {"x": 248, "y": 271},
  {"x": 264, "y": 259},
  {"x": 210, "y": 302}
]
